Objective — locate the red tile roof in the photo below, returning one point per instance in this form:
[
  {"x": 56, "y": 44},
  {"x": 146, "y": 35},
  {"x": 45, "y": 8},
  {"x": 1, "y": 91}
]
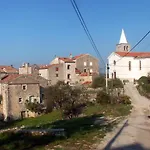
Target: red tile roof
[
  {"x": 8, "y": 69},
  {"x": 9, "y": 78},
  {"x": 87, "y": 83},
  {"x": 77, "y": 71},
  {"x": 67, "y": 60},
  {"x": 47, "y": 66},
  {"x": 78, "y": 56},
  {"x": 133, "y": 54}
]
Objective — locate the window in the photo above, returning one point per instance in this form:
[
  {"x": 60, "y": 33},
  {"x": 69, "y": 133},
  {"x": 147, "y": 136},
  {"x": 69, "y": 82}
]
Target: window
[
  {"x": 20, "y": 100},
  {"x": 24, "y": 87},
  {"x": 114, "y": 62},
  {"x": 84, "y": 63},
  {"x": 91, "y": 70},
  {"x": 69, "y": 76},
  {"x": 129, "y": 65},
  {"x": 91, "y": 63},
  {"x": 56, "y": 68},
  {"x": 84, "y": 69},
  {"x": 56, "y": 74},
  {"x": 68, "y": 67},
  {"x": 140, "y": 65},
  {"x": 124, "y": 48},
  {"x": 127, "y": 48}
]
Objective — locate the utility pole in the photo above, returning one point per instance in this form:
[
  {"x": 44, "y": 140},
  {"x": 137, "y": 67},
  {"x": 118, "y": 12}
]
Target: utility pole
[{"x": 107, "y": 68}]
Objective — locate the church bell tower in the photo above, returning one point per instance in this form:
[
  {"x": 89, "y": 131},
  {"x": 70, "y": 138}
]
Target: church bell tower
[{"x": 123, "y": 45}]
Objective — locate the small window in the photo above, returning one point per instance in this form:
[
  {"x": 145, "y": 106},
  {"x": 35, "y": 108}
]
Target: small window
[
  {"x": 91, "y": 63},
  {"x": 129, "y": 65},
  {"x": 84, "y": 63},
  {"x": 68, "y": 67},
  {"x": 91, "y": 70},
  {"x": 56, "y": 74},
  {"x": 24, "y": 87},
  {"x": 84, "y": 69},
  {"x": 69, "y": 76},
  {"x": 57, "y": 68},
  {"x": 140, "y": 65},
  {"x": 124, "y": 48},
  {"x": 114, "y": 62},
  {"x": 20, "y": 100}
]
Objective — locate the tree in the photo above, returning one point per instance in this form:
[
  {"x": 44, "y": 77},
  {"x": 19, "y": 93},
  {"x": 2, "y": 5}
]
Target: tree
[
  {"x": 98, "y": 82},
  {"x": 70, "y": 100},
  {"x": 76, "y": 100}
]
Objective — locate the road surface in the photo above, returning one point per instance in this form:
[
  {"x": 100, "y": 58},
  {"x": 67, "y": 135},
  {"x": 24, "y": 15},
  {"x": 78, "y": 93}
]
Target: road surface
[{"x": 134, "y": 132}]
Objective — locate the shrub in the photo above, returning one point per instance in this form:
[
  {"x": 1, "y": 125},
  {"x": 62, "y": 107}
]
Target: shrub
[
  {"x": 103, "y": 98},
  {"x": 144, "y": 80},
  {"x": 115, "y": 83},
  {"x": 98, "y": 82},
  {"x": 124, "y": 99}
]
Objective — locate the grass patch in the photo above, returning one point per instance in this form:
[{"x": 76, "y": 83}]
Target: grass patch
[
  {"x": 111, "y": 110},
  {"x": 38, "y": 121},
  {"x": 81, "y": 132}
]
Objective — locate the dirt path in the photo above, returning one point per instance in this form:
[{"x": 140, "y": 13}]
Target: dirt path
[{"x": 134, "y": 132}]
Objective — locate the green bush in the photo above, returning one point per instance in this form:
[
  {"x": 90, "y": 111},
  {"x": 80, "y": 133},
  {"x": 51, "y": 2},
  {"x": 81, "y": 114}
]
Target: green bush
[
  {"x": 115, "y": 83},
  {"x": 144, "y": 80},
  {"x": 124, "y": 99},
  {"x": 103, "y": 98},
  {"x": 98, "y": 82}
]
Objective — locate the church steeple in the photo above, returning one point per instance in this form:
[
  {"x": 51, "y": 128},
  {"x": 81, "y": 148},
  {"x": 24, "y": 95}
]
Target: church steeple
[
  {"x": 123, "y": 38},
  {"x": 123, "y": 45}
]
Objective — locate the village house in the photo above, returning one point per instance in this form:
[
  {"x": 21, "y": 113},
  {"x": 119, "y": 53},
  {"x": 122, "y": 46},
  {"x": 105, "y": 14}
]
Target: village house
[
  {"x": 128, "y": 65},
  {"x": 63, "y": 70},
  {"x": 16, "y": 90},
  {"x": 70, "y": 69}
]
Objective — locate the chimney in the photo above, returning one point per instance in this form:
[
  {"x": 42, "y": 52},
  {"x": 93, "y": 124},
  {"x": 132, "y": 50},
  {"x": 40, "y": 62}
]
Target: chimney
[{"x": 70, "y": 56}]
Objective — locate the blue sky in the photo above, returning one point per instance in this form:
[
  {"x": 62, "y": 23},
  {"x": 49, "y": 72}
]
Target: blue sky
[{"x": 36, "y": 30}]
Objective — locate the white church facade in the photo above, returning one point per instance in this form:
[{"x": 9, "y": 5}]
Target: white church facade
[{"x": 127, "y": 65}]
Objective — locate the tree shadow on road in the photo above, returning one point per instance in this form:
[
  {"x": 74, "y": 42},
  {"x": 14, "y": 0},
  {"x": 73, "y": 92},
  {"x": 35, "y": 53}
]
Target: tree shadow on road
[{"x": 135, "y": 146}]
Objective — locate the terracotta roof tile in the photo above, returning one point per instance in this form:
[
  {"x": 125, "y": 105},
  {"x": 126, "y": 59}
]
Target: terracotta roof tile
[
  {"x": 8, "y": 69},
  {"x": 47, "y": 66},
  {"x": 133, "y": 54},
  {"x": 9, "y": 78},
  {"x": 78, "y": 56},
  {"x": 67, "y": 60},
  {"x": 87, "y": 83}
]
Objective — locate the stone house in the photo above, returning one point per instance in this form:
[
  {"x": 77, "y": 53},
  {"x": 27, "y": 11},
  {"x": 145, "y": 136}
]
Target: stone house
[
  {"x": 16, "y": 90},
  {"x": 70, "y": 68},
  {"x": 87, "y": 63},
  {"x": 62, "y": 69}
]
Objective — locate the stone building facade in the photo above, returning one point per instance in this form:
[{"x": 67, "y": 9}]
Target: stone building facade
[
  {"x": 87, "y": 63},
  {"x": 62, "y": 70},
  {"x": 16, "y": 90}
]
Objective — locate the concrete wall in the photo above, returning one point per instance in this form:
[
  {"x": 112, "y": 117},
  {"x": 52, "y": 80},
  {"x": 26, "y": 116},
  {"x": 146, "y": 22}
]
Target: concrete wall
[
  {"x": 80, "y": 63},
  {"x": 71, "y": 71},
  {"x": 44, "y": 73},
  {"x": 122, "y": 67},
  {"x": 53, "y": 73}
]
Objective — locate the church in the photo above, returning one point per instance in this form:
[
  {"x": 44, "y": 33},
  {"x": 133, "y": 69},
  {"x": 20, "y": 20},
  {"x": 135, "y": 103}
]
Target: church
[{"x": 127, "y": 65}]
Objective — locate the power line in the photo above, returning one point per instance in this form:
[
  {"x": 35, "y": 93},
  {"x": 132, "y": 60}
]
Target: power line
[
  {"x": 134, "y": 46},
  {"x": 80, "y": 17}
]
